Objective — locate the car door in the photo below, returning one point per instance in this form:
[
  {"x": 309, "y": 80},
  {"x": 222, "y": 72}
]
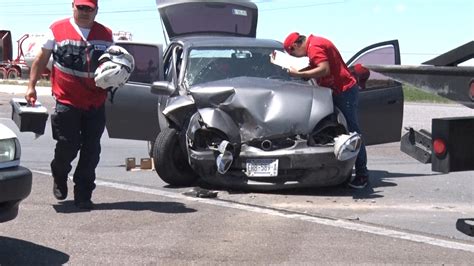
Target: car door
[
  {"x": 132, "y": 110},
  {"x": 381, "y": 99}
]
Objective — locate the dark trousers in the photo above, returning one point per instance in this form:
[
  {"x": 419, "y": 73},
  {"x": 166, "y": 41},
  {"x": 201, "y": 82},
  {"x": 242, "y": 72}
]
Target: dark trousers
[
  {"x": 77, "y": 130},
  {"x": 348, "y": 102}
]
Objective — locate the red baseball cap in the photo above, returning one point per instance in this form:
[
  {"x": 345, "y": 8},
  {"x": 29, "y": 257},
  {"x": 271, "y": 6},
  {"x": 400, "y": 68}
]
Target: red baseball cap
[
  {"x": 290, "y": 39},
  {"x": 89, "y": 3}
]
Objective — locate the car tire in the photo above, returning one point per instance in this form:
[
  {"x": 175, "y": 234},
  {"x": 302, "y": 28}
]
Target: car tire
[{"x": 170, "y": 160}]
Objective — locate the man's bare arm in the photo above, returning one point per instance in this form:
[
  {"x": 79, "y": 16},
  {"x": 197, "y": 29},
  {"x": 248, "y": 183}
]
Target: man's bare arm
[
  {"x": 37, "y": 69},
  {"x": 321, "y": 70}
]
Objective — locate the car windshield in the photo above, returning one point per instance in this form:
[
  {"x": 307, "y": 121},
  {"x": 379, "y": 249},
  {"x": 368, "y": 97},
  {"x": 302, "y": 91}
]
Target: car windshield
[{"x": 210, "y": 64}]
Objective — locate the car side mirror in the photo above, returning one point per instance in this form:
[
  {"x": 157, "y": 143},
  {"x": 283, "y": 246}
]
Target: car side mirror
[{"x": 162, "y": 87}]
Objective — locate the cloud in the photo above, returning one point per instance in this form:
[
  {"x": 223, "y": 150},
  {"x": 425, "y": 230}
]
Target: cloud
[
  {"x": 400, "y": 8},
  {"x": 376, "y": 9}
]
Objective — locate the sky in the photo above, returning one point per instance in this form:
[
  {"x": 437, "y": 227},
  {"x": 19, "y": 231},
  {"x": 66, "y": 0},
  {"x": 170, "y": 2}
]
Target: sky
[{"x": 424, "y": 28}]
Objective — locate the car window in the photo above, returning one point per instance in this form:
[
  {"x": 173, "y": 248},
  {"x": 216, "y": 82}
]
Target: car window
[
  {"x": 146, "y": 62},
  {"x": 210, "y": 64},
  {"x": 380, "y": 56}
]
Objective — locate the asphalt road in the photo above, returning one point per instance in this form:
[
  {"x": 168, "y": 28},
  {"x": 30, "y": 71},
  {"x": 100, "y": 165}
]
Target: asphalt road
[{"x": 406, "y": 216}]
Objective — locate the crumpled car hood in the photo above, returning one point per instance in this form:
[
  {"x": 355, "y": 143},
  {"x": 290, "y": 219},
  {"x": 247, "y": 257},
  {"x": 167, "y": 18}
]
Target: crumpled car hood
[{"x": 263, "y": 108}]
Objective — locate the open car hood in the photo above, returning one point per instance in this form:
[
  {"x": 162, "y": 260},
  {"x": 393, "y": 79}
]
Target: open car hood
[
  {"x": 204, "y": 17},
  {"x": 263, "y": 108}
]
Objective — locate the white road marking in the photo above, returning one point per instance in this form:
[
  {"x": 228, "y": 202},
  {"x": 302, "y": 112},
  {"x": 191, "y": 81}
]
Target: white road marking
[{"x": 340, "y": 223}]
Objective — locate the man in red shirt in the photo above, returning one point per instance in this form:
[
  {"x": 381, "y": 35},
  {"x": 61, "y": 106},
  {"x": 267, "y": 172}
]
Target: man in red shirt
[
  {"x": 78, "y": 121},
  {"x": 328, "y": 68}
]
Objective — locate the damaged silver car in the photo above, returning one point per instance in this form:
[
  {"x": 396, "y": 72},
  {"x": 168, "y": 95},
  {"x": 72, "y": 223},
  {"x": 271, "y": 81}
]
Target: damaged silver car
[{"x": 215, "y": 108}]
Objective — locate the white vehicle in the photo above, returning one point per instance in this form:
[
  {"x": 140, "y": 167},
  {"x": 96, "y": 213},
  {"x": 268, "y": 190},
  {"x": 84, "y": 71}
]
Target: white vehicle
[{"x": 15, "y": 180}]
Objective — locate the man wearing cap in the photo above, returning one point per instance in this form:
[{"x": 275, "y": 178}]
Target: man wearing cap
[
  {"x": 328, "y": 68},
  {"x": 78, "y": 121}
]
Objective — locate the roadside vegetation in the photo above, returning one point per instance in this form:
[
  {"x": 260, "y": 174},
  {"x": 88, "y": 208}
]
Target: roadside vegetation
[
  {"x": 414, "y": 94},
  {"x": 411, "y": 93},
  {"x": 41, "y": 83}
]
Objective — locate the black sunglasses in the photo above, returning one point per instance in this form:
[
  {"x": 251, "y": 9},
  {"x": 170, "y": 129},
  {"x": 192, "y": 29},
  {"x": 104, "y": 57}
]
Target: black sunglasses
[{"x": 85, "y": 8}]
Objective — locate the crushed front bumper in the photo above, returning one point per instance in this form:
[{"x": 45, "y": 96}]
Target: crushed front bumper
[{"x": 298, "y": 166}]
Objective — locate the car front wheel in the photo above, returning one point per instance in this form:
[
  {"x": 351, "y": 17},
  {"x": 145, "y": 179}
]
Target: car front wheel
[{"x": 170, "y": 160}]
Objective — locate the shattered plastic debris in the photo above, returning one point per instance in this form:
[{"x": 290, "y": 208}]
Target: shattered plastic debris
[{"x": 201, "y": 193}]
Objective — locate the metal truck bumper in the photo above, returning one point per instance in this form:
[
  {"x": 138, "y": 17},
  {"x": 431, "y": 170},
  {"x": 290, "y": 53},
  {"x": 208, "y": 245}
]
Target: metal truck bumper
[{"x": 15, "y": 185}]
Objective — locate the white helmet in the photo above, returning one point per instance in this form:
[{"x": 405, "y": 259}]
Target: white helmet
[{"x": 115, "y": 67}]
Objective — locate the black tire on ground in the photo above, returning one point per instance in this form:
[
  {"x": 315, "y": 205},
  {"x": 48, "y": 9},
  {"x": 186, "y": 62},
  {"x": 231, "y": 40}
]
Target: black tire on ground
[
  {"x": 13, "y": 73},
  {"x": 171, "y": 163},
  {"x": 3, "y": 73}
]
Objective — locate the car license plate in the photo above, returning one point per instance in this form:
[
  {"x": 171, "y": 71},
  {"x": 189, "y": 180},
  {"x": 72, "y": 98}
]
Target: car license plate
[{"x": 262, "y": 167}]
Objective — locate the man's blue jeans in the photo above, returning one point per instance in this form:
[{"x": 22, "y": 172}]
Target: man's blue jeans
[{"x": 348, "y": 102}]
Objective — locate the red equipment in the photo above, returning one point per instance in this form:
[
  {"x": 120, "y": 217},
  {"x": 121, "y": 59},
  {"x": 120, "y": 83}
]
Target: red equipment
[{"x": 15, "y": 68}]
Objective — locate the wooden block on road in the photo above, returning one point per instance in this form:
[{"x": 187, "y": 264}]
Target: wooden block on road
[
  {"x": 146, "y": 163},
  {"x": 130, "y": 163}
]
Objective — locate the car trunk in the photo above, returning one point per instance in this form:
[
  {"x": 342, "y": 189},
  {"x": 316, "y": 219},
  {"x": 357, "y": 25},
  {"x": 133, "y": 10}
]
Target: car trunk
[{"x": 221, "y": 17}]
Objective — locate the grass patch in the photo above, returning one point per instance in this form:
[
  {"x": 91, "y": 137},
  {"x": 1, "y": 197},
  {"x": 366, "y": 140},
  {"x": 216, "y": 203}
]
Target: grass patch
[
  {"x": 414, "y": 94},
  {"x": 40, "y": 83}
]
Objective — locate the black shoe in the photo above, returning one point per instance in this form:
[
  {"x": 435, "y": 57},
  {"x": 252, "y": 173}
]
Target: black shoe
[
  {"x": 60, "y": 190},
  {"x": 84, "y": 205},
  {"x": 359, "y": 182}
]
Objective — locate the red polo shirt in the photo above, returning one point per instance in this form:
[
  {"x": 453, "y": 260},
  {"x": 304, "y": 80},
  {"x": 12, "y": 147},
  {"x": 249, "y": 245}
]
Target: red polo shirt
[{"x": 319, "y": 50}]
